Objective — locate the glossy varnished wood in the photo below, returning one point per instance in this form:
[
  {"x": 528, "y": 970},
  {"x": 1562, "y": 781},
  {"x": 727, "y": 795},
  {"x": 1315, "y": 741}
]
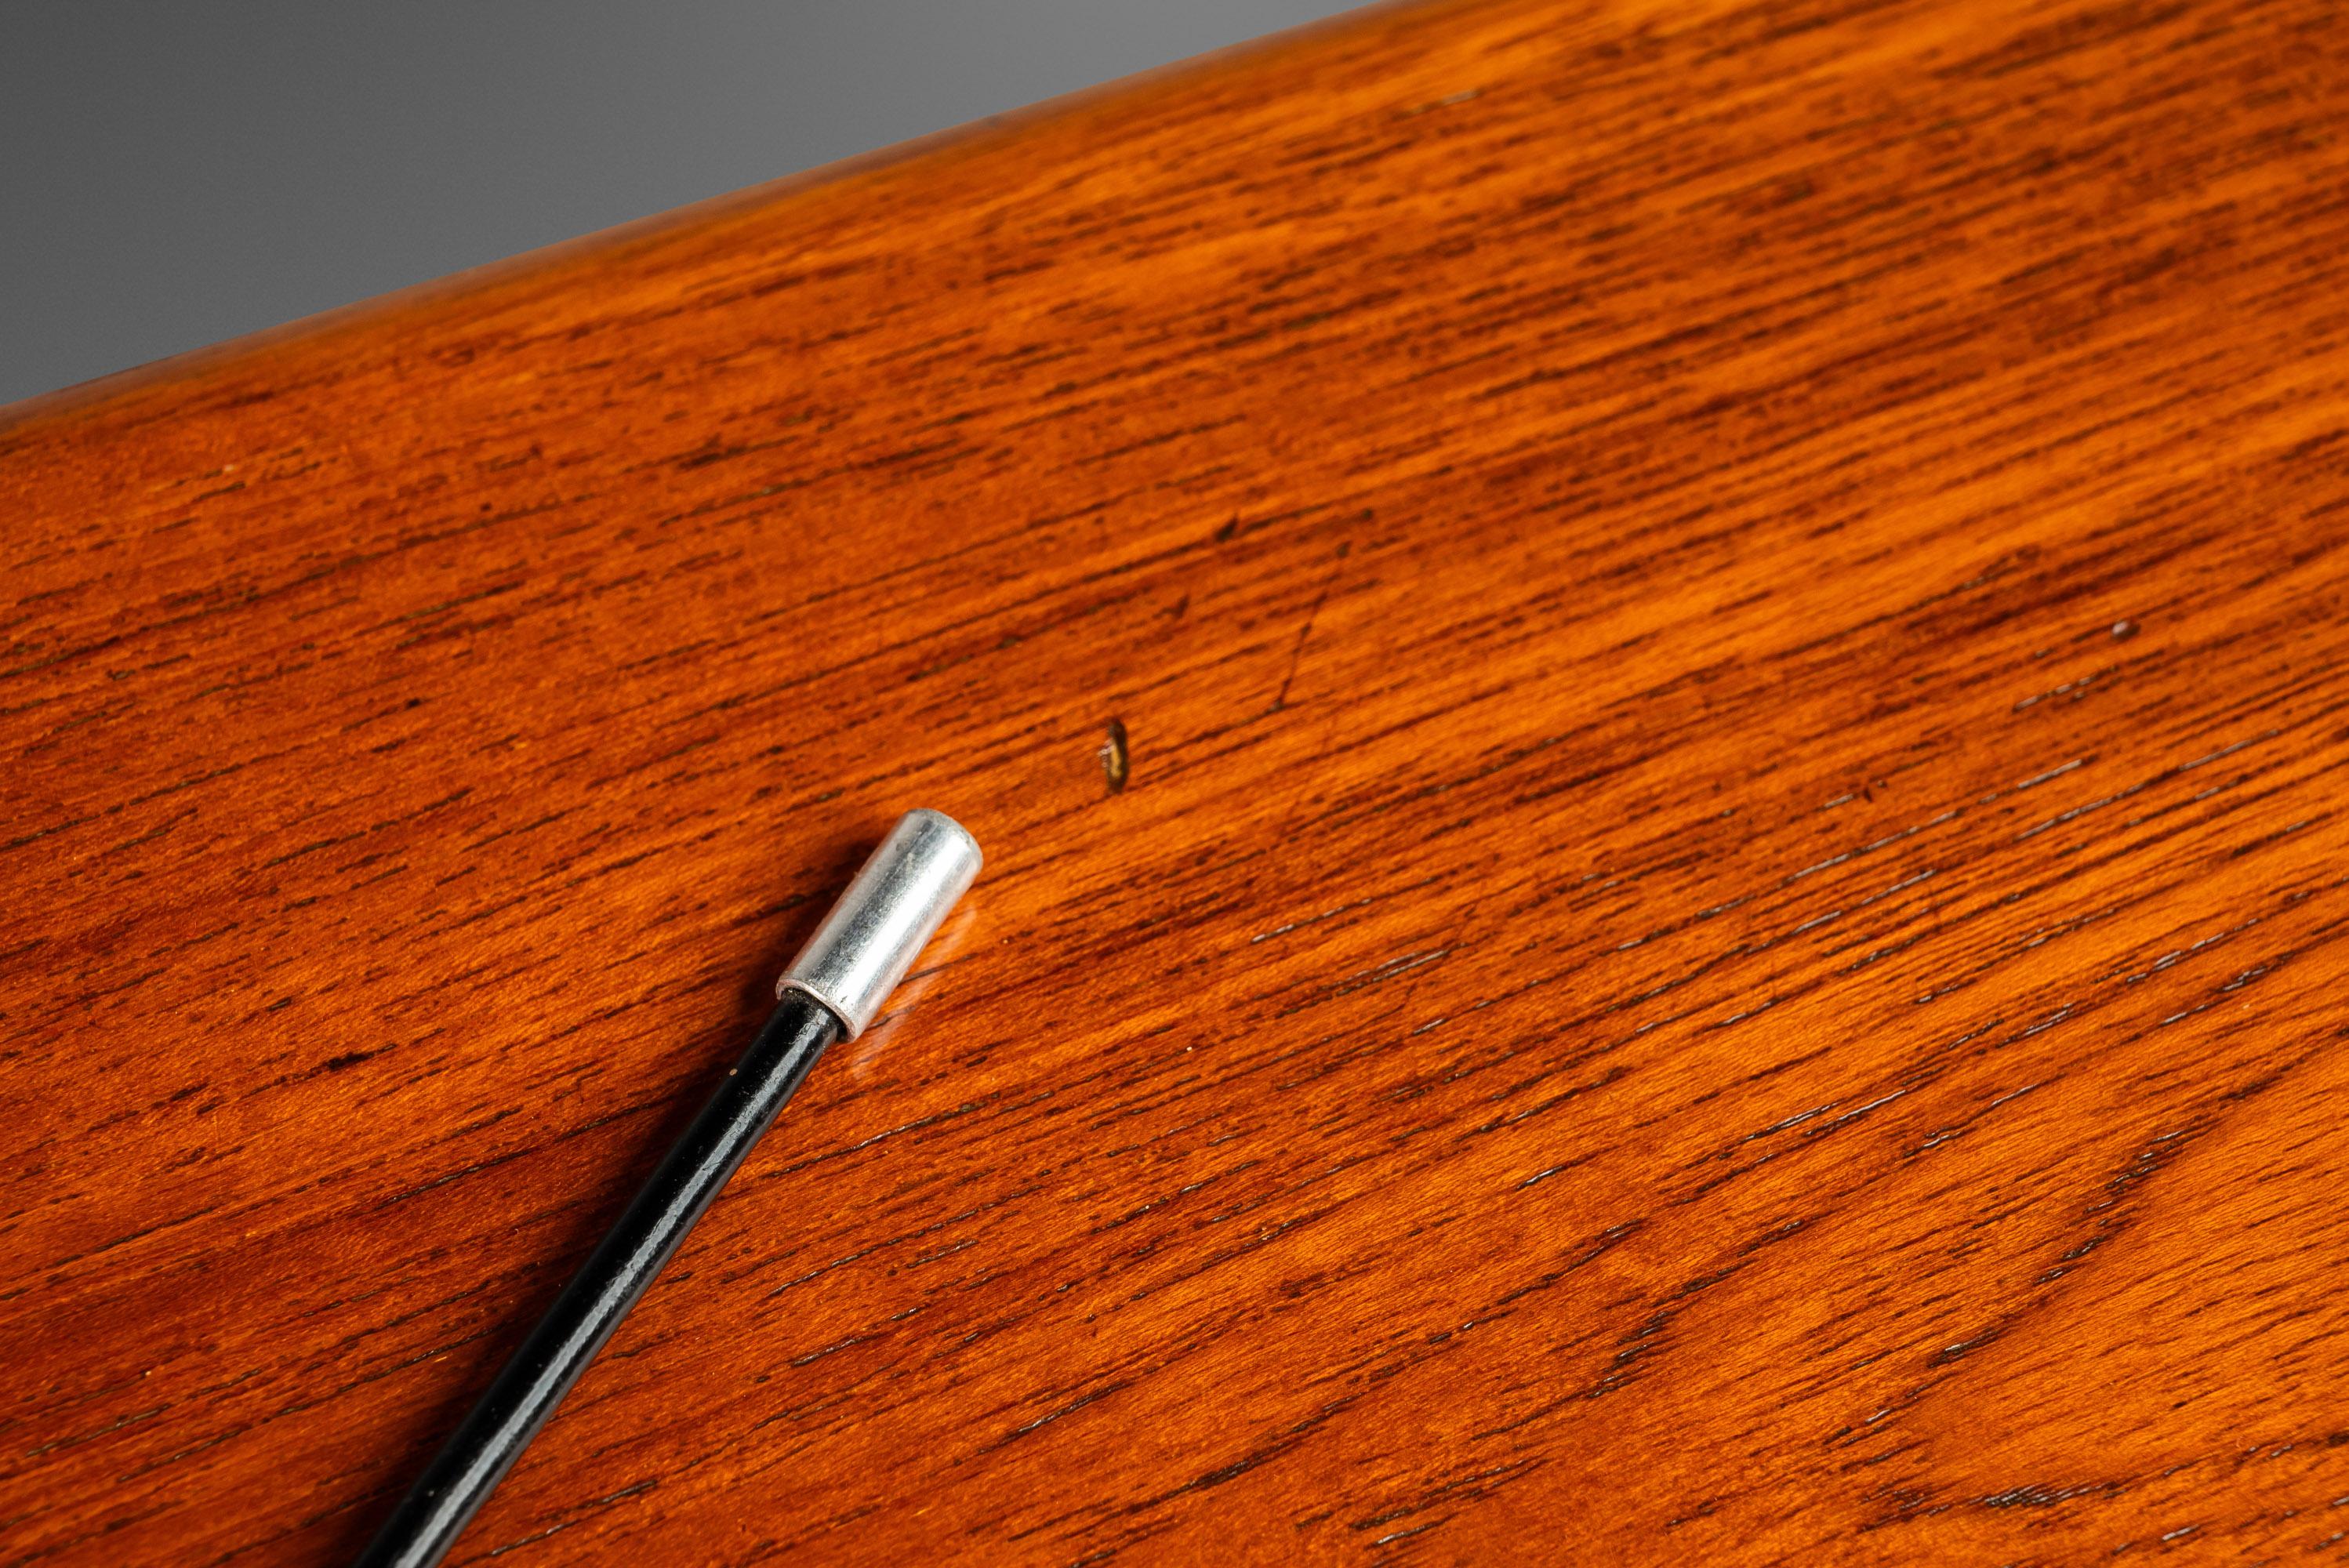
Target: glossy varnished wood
[{"x": 1656, "y": 698}]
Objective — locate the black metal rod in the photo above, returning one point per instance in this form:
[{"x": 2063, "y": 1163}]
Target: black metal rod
[{"x": 504, "y": 1419}]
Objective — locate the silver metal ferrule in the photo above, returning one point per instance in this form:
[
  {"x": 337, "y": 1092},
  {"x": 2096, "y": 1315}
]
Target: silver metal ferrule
[{"x": 872, "y": 935}]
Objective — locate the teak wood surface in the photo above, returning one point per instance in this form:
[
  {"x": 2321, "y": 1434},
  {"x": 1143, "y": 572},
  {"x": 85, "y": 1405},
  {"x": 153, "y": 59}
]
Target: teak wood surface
[{"x": 1657, "y": 696}]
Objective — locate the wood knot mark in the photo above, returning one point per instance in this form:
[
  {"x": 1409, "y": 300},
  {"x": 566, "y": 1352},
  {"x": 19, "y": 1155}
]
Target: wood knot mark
[{"x": 1112, "y": 757}]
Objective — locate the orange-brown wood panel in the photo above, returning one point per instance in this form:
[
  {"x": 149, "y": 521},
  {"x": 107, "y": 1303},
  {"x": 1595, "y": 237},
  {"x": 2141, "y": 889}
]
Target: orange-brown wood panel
[{"x": 1722, "y": 938}]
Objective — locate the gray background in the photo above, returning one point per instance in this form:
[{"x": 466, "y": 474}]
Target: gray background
[{"x": 175, "y": 172}]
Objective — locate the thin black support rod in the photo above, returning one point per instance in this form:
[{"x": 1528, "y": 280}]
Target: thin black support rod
[
  {"x": 480, "y": 1451},
  {"x": 832, "y": 991}
]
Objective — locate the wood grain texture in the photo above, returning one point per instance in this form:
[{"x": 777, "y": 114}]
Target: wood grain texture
[{"x": 1713, "y": 931}]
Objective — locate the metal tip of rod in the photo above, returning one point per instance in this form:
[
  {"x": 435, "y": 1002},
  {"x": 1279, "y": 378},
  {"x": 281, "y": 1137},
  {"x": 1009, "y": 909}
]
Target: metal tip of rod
[{"x": 876, "y": 930}]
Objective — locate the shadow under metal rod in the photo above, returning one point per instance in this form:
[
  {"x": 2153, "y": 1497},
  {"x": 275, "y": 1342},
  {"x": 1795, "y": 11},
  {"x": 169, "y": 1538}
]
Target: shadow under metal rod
[{"x": 831, "y": 991}]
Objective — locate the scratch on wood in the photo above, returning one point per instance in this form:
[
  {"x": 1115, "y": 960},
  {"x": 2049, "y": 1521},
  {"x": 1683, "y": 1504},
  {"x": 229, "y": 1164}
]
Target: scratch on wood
[
  {"x": 1114, "y": 757},
  {"x": 1298, "y": 653}
]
